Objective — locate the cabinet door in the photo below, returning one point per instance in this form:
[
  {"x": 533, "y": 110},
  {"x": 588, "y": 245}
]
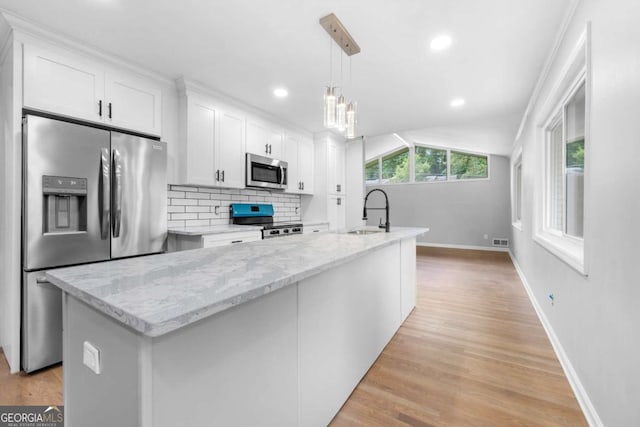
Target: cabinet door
[
  {"x": 257, "y": 139},
  {"x": 291, "y": 156},
  {"x": 275, "y": 141},
  {"x": 65, "y": 85},
  {"x": 201, "y": 131},
  {"x": 335, "y": 168},
  {"x": 336, "y": 212},
  {"x": 132, "y": 103},
  {"x": 264, "y": 141},
  {"x": 305, "y": 165},
  {"x": 230, "y": 149}
]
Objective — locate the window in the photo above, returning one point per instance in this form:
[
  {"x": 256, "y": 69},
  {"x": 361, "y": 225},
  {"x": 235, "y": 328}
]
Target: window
[
  {"x": 395, "y": 167},
  {"x": 516, "y": 192},
  {"x": 565, "y": 160},
  {"x": 372, "y": 172},
  {"x": 560, "y": 212},
  {"x": 430, "y": 164},
  {"x": 468, "y": 166},
  {"x": 420, "y": 164}
]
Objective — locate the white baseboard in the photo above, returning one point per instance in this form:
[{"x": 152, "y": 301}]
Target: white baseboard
[
  {"x": 587, "y": 407},
  {"x": 475, "y": 248}
]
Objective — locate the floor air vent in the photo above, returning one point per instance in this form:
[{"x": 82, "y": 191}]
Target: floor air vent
[{"x": 503, "y": 243}]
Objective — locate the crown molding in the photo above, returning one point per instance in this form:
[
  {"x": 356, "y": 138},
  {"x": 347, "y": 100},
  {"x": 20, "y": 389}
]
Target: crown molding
[
  {"x": 24, "y": 28},
  {"x": 564, "y": 26}
]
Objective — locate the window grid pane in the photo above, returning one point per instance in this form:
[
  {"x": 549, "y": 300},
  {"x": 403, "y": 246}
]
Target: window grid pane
[
  {"x": 395, "y": 167},
  {"x": 519, "y": 192},
  {"x": 468, "y": 166},
  {"x": 430, "y": 164},
  {"x": 372, "y": 172},
  {"x": 556, "y": 175},
  {"x": 574, "y": 163}
]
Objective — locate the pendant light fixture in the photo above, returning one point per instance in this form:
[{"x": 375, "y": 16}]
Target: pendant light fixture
[{"x": 338, "y": 113}]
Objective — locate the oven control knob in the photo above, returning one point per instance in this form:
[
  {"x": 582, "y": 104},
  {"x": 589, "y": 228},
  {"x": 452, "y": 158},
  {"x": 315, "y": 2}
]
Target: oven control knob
[
  {"x": 274, "y": 232},
  {"x": 286, "y": 230}
]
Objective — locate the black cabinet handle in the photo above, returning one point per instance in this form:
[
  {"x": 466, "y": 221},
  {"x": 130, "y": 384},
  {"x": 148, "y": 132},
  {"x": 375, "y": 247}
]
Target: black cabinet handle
[
  {"x": 338, "y": 188},
  {"x": 236, "y": 241},
  {"x": 222, "y": 176},
  {"x": 218, "y": 175},
  {"x": 100, "y": 108},
  {"x": 339, "y": 201},
  {"x": 269, "y": 148},
  {"x": 303, "y": 185},
  {"x": 110, "y": 110},
  {"x": 266, "y": 148}
]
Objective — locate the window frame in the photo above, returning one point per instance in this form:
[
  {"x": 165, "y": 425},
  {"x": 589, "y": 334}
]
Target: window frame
[
  {"x": 516, "y": 191},
  {"x": 576, "y": 72},
  {"x": 412, "y": 165}
]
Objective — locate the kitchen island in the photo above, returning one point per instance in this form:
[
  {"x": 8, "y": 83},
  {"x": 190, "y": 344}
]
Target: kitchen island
[{"x": 273, "y": 332}]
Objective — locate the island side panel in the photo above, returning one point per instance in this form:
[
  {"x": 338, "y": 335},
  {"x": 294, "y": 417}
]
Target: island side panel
[
  {"x": 236, "y": 368},
  {"x": 112, "y": 397},
  {"x": 408, "y": 276},
  {"x": 347, "y": 316}
]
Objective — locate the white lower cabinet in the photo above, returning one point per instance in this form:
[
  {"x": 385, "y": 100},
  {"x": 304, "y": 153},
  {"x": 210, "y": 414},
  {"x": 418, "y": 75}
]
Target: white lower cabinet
[
  {"x": 180, "y": 242},
  {"x": 319, "y": 228},
  {"x": 336, "y": 212}
]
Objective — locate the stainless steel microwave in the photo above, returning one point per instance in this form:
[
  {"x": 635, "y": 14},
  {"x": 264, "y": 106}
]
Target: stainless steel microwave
[{"x": 265, "y": 172}]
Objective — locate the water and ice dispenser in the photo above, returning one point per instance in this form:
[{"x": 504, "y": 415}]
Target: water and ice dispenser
[{"x": 65, "y": 204}]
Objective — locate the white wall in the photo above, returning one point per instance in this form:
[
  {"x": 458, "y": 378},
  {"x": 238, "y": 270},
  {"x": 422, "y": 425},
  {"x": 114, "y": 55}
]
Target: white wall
[
  {"x": 597, "y": 318},
  {"x": 458, "y": 213}
]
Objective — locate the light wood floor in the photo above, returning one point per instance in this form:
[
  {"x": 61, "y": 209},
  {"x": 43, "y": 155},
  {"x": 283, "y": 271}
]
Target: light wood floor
[{"x": 472, "y": 353}]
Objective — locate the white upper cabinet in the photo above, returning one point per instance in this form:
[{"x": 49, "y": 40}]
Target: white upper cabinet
[
  {"x": 61, "y": 84},
  {"x": 305, "y": 165},
  {"x": 335, "y": 168},
  {"x": 264, "y": 140},
  {"x": 66, "y": 84},
  {"x": 200, "y": 150},
  {"x": 132, "y": 103},
  {"x": 230, "y": 149},
  {"x": 214, "y": 144},
  {"x": 298, "y": 152}
]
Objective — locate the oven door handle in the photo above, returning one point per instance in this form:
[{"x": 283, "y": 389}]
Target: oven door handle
[
  {"x": 105, "y": 193},
  {"x": 281, "y": 175}
]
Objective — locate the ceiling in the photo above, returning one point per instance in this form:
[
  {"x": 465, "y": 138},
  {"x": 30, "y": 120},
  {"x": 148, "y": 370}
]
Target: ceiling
[{"x": 246, "y": 48}]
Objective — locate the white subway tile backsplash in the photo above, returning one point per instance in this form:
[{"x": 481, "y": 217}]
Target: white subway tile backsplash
[
  {"x": 195, "y": 206},
  {"x": 198, "y": 209},
  {"x": 193, "y": 195}
]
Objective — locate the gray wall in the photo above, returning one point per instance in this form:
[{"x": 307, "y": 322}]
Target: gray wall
[
  {"x": 457, "y": 212},
  {"x": 596, "y": 318}
]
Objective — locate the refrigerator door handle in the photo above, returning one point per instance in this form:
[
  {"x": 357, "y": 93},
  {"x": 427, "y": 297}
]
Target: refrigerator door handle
[
  {"x": 104, "y": 194},
  {"x": 117, "y": 193}
]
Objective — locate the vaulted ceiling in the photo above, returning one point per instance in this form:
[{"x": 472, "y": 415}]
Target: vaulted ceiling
[{"x": 246, "y": 48}]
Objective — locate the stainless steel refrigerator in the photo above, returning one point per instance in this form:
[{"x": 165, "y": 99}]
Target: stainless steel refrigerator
[{"x": 89, "y": 195}]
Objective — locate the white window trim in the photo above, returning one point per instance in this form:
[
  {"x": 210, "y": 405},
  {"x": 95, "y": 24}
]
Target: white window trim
[
  {"x": 516, "y": 191},
  {"x": 569, "y": 249}
]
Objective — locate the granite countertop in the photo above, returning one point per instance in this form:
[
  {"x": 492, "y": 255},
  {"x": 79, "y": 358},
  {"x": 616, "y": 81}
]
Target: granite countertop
[
  {"x": 212, "y": 229},
  {"x": 157, "y": 294}
]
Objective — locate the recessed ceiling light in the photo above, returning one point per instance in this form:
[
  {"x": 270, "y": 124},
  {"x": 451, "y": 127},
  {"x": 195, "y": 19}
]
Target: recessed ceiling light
[
  {"x": 280, "y": 92},
  {"x": 458, "y": 102},
  {"x": 440, "y": 42}
]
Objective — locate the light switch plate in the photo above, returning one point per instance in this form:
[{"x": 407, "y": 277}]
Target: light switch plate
[{"x": 91, "y": 357}]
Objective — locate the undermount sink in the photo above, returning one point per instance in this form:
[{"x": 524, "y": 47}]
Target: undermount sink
[{"x": 363, "y": 232}]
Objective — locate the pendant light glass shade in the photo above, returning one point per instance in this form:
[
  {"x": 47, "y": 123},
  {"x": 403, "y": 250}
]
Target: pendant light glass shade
[
  {"x": 341, "y": 114},
  {"x": 330, "y": 107},
  {"x": 351, "y": 120}
]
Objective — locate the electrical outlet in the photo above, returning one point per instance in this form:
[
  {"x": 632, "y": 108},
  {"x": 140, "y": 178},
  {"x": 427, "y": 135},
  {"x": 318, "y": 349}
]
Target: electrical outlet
[
  {"x": 551, "y": 298},
  {"x": 91, "y": 357}
]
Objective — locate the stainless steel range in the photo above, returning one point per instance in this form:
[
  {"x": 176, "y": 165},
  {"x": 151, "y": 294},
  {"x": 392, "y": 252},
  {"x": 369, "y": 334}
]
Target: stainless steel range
[{"x": 262, "y": 215}]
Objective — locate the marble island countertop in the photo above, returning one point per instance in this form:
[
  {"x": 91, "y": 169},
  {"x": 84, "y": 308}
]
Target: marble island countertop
[{"x": 157, "y": 294}]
